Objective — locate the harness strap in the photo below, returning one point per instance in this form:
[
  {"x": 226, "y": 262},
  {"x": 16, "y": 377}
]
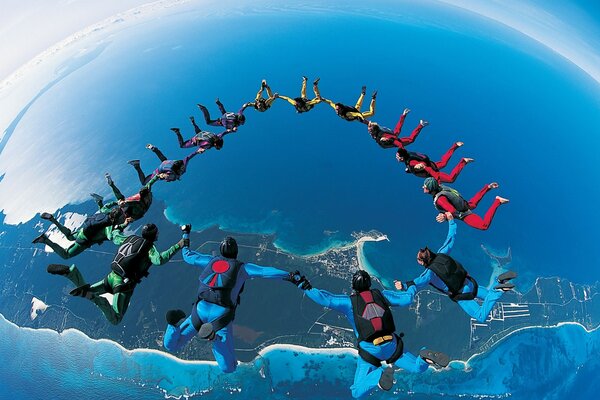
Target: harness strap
[
  {"x": 466, "y": 296},
  {"x": 217, "y": 324}
]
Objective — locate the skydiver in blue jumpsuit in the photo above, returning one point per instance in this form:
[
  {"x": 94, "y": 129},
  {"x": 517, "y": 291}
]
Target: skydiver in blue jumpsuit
[
  {"x": 375, "y": 332},
  {"x": 221, "y": 281},
  {"x": 468, "y": 290}
]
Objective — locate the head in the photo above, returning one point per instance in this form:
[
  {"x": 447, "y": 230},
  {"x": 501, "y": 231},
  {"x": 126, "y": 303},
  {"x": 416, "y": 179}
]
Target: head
[
  {"x": 178, "y": 167},
  {"x": 150, "y": 232},
  {"x": 145, "y": 193},
  {"x": 241, "y": 119},
  {"x": 338, "y": 107},
  {"x": 361, "y": 281},
  {"x": 424, "y": 256},
  {"x": 218, "y": 143},
  {"x": 117, "y": 216},
  {"x": 229, "y": 248},
  {"x": 430, "y": 185},
  {"x": 372, "y": 127},
  {"x": 402, "y": 154}
]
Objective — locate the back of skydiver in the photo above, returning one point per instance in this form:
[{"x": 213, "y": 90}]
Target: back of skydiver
[
  {"x": 387, "y": 138},
  {"x": 202, "y": 139},
  {"x": 168, "y": 170},
  {"x": 261, "y": 104},
  {"x": 420, "y": 164},
  {"x": 448, "y": 276},
  {"x": 368, "y": 312},
  {"x": 451, "y": 204},
  {"x": 227, "y": 120},
  {"x": 302, "y": 104},
  {"x": 221, "y": 279},
  {"x": 130, "y": 265},
  {"x": 96, "y": 229},
  {"x": 350, "y": 113},
  {"x": 135, "y": 206}
]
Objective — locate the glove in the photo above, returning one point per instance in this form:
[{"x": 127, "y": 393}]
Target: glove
[
  {"x": 299, "y": 280},
  {"x": 186, "y": 228}
]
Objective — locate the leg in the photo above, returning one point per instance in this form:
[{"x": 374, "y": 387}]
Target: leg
[
  {"x": 331, "y": 103},
  {"x": 116, "y": 190},
  {"x": 141, "y": 176},
  {"x": 481, "y": 312},
  {"x": 115, "y": 313},
  {"x": 478, "y": 196},
  {"x": 408, "y": 140},
  {"x": 359, "y": 102},
  {"x": 196, "y": 127},
  {"x": 303, "y": 89},
  {"x": 444, "y": 177},
  {"x": 221, "y": 108},
  {"x": 371, "y": 111},
  {"x": 223, "y": 349},
  {"x": 446, "y": 157},
  {"x": 269, "y": 92},
  {"x": 63, "y": 229},
  {"x": 366, "y": 378},
  {"x": 484, "y": 223},
  {"x": 73, "y": 275},
  {"x": 399, "y": 125},
  {"x": 259, "y": 94},
  {"x": 158, "y": 153},
  {"x": 409, "y": 362},
  {"x": 176, "y": 337},
  {"x": 288, "y": 99},
  {"x": 65, "y": 254},
  {"x": 316, "y": 90},
  {"x": 207, "y": 115}
]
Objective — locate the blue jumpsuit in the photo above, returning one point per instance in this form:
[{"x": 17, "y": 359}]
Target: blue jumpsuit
[
  {"x": 471, "y": 307},
  {"x": 222, "y": 346},
  {"x": 367, "y": 375}
]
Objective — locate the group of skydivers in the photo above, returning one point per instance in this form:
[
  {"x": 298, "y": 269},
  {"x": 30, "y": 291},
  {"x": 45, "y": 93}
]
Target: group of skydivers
[{"x": 222, "y": 277}]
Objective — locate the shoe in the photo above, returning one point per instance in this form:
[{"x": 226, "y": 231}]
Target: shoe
[
  {"x": 46, "y": 216},
  {"x": 363, "y": 90},
  {"x": 207, "y": 332},
  {"x": 82, "y": 291},
  {"x": 406, "y": 111},
  {"x": 174, "y": 317},
  {"x": 40, "y": 239},
  {"x": 150, "y": 146},
  {"x": 386, "y": 380},
  {"x": 304, "y": 78},
  {"x": 507, "y": 276},
  {"x": 316, "y": 81},
  {"x": 97, "y": 198},
  {"x": 423, "y": 122},
  {"x": 176, "y": 130},
  {"x": 58, "y": 269},
  {"x": 435, "y": 358},
  {"x": 263, "y": 83},
  {"x": 374, "y": 95},
  {"x": 505, "y": 287},
  {"x": 108, "y": 179},
  {"x": 135, "y": 163}
]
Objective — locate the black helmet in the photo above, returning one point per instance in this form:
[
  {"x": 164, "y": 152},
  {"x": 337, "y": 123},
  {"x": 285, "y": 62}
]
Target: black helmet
[
  {"x": 403, "y": 153},
  {"x": 361, "y": 281},
  {"x": 150, "y": 232},
  {"x": 229, "y": 247},
  {"x": 218, "y": 143},
  {"x": 241, "y": 119}
]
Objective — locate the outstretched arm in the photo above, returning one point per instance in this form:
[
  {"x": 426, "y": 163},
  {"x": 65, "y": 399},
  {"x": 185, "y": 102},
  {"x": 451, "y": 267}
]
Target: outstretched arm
[
  {"x": 400, "y": 298},
  {"x": 449, "y": 243},
  {"x": 163, "y": 257},
  {"x": 193, "y": 257},
  {"x": 419, "y": 283},
  {"x": 337, "y": 302},
  {"x": 257, "y": 271}
]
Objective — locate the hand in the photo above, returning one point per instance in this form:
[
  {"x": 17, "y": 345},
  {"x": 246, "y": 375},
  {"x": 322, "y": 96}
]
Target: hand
[
  {"x": 449, "y": 216},
  {"x": 120, "y": 202},
  {"x": 187, "y": 228},
  {"x": 406, "y": 111},
  {"x": 441, "y": 217},
  {"x": 183, "y": 243},
  {"x": 200, "y": 150},
  {"x": 419, "y": 166},
  {"x": 493, "y": 185},
  {"x": 398, "y": 285},
  {"x": 128, "y": 220}
]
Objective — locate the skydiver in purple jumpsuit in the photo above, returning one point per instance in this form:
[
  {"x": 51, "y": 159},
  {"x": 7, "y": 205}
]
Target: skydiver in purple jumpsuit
[
  {"x": 168, "y": 170},
  {"x": 227, "y": 120}
]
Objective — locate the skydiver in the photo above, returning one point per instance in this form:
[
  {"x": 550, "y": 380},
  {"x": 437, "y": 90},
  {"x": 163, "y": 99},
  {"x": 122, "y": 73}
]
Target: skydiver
[
  {"x": 130, "y": 265},
  {"x": 227, "y": 120},
  {"x": 421, "y": 165},
  {"x": 387, "y": 138},
  {"x": 368, "y": 312},
  {"x": 451, "y": 204},
  {"x": 260, "y": 103},
  {"x": 168, "y": 170},
  {"x": 204, "y": 139},
  {"x": 449, "y": 277},
  {"x": 353, "y": 113},
  {"x": 221, "y": 281},
  {"x": 303, "y": 104}
]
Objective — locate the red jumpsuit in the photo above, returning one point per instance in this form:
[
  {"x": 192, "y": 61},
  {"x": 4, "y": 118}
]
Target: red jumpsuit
[
  {"x": 441, "y": 177},
  {"x": 472, "y": 219}
]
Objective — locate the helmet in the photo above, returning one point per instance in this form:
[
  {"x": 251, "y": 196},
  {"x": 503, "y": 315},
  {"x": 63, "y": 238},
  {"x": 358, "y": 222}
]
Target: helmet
[
  {"x": 425, "y": 255},
  {"x": 229, "y": 248},
  {"x": 361, "y": 281},
  {"x": 241, "y": 119},
  {"x": 402, "y": 153},
  {"x": 150, "y": 232},
  {"x": 432, "y": 185}
]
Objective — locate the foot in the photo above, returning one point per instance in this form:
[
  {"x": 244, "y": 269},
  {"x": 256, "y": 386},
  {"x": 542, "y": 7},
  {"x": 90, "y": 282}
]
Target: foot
[
  {"x": 40, "y": 239},
  {"x": 82, "y": 291},
  {"x": 97, "y": 198},
  {"x": 58, "y": 269},
  {"x": 206, "y": 331},
  {"x": 174, "y": 317},
  {"x": 507, "y": 276},
  {"x": 176, "y": 130},
  {"x": 435, "y": 358},
  {"x": 468, "y": 160},
  {"x": 305, "y": 78},
  {"x": 505, "y": 287},
  {"x": 386, "y": 380},
  {"x": 108, "y": 179},
  {"x": 263, "y": 83},
  {"x": 363, "y": 90},
  {"x": 200, "y": 106},
  {"x": 374, "y": 95},
  {"x": 46, "y": 216},
  {"x": 502, "y": 200},
  {"x": 493, "y": 185},
  {"x": 150, "y": 146},
  {"x": 459, "y": 144},
  {"x": 406, "y": 111},
  {"x": 423, "y": 122},
  {"x": 316, "y": 81},
  {"x": 135, "y": 163},
  {"x": 276, "y": 95},
  {"x": 192, "y": 119}
]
